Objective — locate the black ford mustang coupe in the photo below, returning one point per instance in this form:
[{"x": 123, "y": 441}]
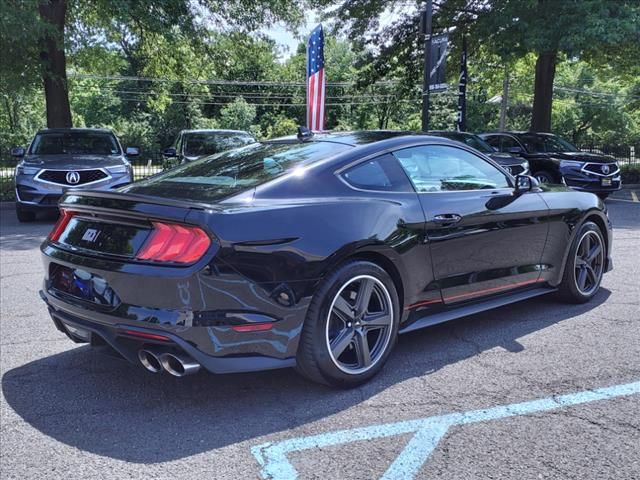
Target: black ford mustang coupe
[{"x": 314, "y": 252}]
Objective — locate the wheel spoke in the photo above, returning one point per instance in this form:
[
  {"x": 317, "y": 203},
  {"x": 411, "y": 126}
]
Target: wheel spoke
[
  {"x": 580, "y": 262},
  {"x": 582, "y": 278},
  {"x": 364, "y": 295},
  {"x": 593, "y": 253},
  {"x": 341, "y": 342},
  {"x": 380, "y": 319},
  {"x": 362, "y": 349},
  {"x": 342, "y": 308},
  {"x": 591, "y": 275}
]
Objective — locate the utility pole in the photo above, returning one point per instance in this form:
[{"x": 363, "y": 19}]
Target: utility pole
[
  {"x": 461, "y": 121},
  {"x": 425, "y": 30},
  {"x": 505, "y": 100}
]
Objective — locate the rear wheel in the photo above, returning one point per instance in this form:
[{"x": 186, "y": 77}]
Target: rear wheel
[
  {"x": 24, "y": 215},
  {"x": 585, "y": 265},
  {"x": 351, "y": 326}
]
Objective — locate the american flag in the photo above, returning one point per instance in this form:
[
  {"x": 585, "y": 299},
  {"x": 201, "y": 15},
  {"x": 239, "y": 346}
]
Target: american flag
[{"x": 315, "y": 80}]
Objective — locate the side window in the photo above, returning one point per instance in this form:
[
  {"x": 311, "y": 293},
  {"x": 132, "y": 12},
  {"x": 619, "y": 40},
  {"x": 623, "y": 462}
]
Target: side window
[
  {"x": 494, "y": 141},
  {"x": 436, "y": 168},
  {"x": 508, "y": 143},
  {"x": 382, "y": 173}
]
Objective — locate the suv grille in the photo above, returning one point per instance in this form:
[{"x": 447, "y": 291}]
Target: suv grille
[
  {"x": 605, "y": 169},
  {"x": 60, "y": 176}
]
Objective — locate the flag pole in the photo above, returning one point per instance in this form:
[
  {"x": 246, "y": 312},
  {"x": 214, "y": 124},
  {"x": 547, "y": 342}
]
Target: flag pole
[{"x": 425, "y": 30}]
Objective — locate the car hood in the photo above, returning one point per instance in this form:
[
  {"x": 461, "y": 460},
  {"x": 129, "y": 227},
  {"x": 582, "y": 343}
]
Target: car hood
[
  {"x": 505, "y": 158},
  {"x": 72, "y": 162},
  {"x": 581, "y": 157}
]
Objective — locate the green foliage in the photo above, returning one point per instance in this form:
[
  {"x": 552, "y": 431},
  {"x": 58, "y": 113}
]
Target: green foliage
[{"x": 238, "y": 115}]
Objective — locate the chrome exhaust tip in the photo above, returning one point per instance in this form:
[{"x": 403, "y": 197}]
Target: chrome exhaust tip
[
  {"x": 150, "y": 361},
  {"x": 179, "y": 365}
]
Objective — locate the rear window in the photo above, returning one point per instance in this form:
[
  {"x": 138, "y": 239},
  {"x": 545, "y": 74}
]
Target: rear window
[
  {"x": 227, "y": 173},
  {"x": 61, "y": 143},
  {"x": 208, "y": 143}
]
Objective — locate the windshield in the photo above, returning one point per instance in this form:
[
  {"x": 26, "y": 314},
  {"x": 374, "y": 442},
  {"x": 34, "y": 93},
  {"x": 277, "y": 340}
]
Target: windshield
[
  {"x": 208, "y": 143},
  {"x": 469, "y": 139},
  {"x": 59, "y": 143},
  {"x": 546, "y": 143},
  {"x": 224, "y": 174}
]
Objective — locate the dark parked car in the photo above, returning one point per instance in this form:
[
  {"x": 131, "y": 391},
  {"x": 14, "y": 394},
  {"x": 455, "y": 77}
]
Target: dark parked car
[
  {"x": 64, "y": 159},
  {"x": 312, "y": 252},
  {"x": 554, "y": 160},
  {"x": 194, "y": 144},
  {"x": 513, "y": 164}
]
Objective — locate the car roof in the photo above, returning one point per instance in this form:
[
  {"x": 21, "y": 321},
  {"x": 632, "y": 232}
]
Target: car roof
[
  {"x": 214, "y": 130},
  {"x": 520, "y": 132},
  {"x": 73, "y": 129},
  {"x": 352, "y": 138}
]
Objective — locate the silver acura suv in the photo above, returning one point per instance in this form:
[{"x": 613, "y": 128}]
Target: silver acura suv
[{"x": 64, "y": 159}]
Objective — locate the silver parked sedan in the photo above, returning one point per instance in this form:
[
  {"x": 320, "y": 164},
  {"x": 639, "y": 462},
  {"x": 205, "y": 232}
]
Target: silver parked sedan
[{"x": 63, "y": 159}]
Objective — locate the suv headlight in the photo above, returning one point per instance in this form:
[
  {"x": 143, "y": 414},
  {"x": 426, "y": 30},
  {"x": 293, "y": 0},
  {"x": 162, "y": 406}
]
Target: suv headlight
[
  {"x": 571, "y": 164},
  {"x": 119, "y": 169},
  {"x": 22, "y": 169}
]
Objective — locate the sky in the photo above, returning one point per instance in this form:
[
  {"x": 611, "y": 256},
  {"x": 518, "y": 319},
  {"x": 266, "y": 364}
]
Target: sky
[{"x": 288, "y": 39}]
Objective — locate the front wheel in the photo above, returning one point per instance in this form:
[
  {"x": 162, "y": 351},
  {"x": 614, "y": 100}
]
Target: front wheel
[
  {"x": 24, "y": 215},
  {"x": 585, "y": 265},
  {"x": 544, "y": 177},
  {"x": 351, "y": 326}
]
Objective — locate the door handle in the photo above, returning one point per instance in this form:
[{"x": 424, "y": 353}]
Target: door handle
[{"x": 447, "y": 218}]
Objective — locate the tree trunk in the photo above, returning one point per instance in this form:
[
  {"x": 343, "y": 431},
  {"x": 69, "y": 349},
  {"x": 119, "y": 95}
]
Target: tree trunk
[
  {"x": 54, "y": 64},
  {"x": 543, "y": 91}
]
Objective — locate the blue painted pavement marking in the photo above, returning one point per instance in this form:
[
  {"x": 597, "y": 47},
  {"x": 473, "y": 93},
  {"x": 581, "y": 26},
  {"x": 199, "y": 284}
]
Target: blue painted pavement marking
[{"x": 428, "y": 432}]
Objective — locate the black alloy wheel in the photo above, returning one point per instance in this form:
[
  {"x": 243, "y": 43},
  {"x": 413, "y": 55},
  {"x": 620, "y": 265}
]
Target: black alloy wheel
[
  {"x": 589, "y": 263},
  {"x": 585, "y": 265},
  {"x": 351, "y": 326}
]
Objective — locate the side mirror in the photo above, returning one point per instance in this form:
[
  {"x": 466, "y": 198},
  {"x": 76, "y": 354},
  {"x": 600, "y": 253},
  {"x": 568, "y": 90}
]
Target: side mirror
[
  {"x": 17, "y": 152},
  {"x": 525, "y": 183},
  {"x": 132, "y": 151},
  {"x": 170, "y": 152},
  {"x": 515, "y": 150}
]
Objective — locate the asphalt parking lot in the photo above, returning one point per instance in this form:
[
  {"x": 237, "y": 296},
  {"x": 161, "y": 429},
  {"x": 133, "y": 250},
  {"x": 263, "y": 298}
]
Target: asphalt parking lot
[{"x": 454, "y": 401}]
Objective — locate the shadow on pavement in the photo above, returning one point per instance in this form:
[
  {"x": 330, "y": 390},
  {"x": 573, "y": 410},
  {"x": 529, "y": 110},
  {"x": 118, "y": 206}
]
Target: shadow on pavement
[{"x": 105, "y": 406}]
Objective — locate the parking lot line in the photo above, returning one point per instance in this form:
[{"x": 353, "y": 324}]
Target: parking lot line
[
  {"x": 634, "y": 196},
  {"x": 428, "y": 432}
]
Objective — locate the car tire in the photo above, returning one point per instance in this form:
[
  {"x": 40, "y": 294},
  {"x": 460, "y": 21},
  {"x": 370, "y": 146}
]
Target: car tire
[
  {"x": 585, "y": 263},
  {"x": 343, "y": 344},
  {"x": 545, "y": 177},
  {"x": 24, "y": 216}
]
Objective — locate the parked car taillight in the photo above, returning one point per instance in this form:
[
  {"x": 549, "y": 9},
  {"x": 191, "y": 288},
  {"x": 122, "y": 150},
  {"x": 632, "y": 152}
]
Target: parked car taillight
[
  {"x": 61, "y": 224},
  {"x": 174, "y": 243}
]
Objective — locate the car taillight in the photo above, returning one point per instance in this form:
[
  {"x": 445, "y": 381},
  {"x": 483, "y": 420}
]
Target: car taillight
[
  {"x": 174, "y": 243},
  {"x": 61, "y": 224}
]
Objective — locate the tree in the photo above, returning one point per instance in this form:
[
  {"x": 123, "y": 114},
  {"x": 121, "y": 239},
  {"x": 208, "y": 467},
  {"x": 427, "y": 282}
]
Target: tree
[
  {"x": 511, "y": 28},
  {"x": 60, "y": 27},
  {"x": 238, "y": 115}
]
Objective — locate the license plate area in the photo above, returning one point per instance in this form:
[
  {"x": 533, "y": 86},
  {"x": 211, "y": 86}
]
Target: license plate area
[
  {"x": 82, "y": 285},
  {"x": 605, "y": 182},
  {"x": 106, "y": 237}
]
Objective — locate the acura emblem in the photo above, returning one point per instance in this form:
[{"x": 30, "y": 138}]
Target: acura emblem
[
  {"x": 605, "y": 169},
  {"x": 73, "y": 178}
]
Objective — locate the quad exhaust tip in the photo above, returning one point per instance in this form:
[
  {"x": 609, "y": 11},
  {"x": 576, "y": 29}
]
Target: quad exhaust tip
[
  {"x": 177, "y": 364},
  {"x": 150, "y": 361}
]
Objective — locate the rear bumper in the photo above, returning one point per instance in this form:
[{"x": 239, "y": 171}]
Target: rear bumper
[
  {"x": 128, "y": 346},
  {"x": 198, "y": 309}
]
